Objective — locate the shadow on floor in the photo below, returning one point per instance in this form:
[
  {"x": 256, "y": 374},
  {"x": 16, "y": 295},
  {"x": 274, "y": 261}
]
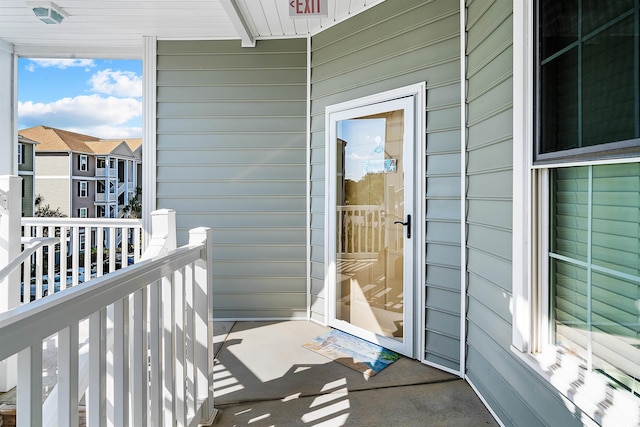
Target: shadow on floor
[{"x": 265, "y": 377}]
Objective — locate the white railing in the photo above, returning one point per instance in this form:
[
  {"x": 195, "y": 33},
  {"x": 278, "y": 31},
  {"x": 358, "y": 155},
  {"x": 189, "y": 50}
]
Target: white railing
[
  {"x": 30, "y": 246},
  {"x": 87, "y": 248},
  {"x": 148, "y": 353},
  {"x": 361, "y": 231},
  {"x": 103, "y": 171},
  {"x": 105, "y": 197}
]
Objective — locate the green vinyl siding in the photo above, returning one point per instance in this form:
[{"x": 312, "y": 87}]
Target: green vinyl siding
[
  {"x": 515, "y": 393},
  {"x": 231, "y": 155},
  {"x": 27, "y": 155},
  {"x": 392, "y": 45},
  {"x": 27, "y": 196}
]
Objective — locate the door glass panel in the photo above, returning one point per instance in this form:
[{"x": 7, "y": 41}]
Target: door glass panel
[{"x": 369, "y": 246}]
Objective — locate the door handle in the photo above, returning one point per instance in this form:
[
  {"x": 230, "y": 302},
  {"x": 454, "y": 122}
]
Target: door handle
[{"x": 406, "y": 224}]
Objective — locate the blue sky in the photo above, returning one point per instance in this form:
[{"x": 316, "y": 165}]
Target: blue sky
[
  {"x": 101, "y": 98},
  {"x": 365, "y": 145}
]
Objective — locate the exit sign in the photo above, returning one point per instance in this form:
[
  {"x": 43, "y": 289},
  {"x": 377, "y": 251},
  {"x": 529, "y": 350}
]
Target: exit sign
[{"x": 307, "y": 8}]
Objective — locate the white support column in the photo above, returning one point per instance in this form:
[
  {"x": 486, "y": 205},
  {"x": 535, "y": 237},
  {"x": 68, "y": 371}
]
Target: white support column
[
  {"x": 149, "y": 68},
  {"x": 8, "y": 111},
  {"x": 10, "y": 214}
]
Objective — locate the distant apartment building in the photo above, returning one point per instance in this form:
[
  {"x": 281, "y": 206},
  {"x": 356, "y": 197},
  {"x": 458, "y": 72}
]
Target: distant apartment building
[
  {"x": 85, "y": 176},
  {"x": 26, "y": 164}
]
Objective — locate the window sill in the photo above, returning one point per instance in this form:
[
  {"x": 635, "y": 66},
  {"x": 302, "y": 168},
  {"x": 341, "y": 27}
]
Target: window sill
[{"x": 583, "y": 391}]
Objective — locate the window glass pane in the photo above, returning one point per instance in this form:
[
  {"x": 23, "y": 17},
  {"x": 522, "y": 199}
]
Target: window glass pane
[
  {"x": 570, "y": 210},
  {"x": 559, "y": 102},
  {"x": 589, "y": 89},
  {"x": 608, "y": 81},
  {"x": 558, "y": 25},
  {"x": 570, "y": 307},
  {"x": 616, "y": 217},
  {"x": 596, "y": 14},
  {"x": 595, "y": 269},
  {"x": 615, "y": 332}
]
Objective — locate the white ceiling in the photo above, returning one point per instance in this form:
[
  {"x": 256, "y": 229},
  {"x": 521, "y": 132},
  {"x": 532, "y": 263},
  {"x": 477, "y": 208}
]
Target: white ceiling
[{"x": 117, "y": 27}]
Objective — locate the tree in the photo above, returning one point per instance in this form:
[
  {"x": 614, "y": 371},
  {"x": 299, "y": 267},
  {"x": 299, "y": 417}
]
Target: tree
[
  {"x": 134, "y": 208},
  {"x": 47, "y": 211}
]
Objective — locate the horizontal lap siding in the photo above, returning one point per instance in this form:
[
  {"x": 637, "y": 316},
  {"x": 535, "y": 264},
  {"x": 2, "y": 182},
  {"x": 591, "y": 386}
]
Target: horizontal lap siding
[
  {"x": 515, "y": 393},
  {"x": 392, "y": 45},
  {"x": 231, "y": 155}
]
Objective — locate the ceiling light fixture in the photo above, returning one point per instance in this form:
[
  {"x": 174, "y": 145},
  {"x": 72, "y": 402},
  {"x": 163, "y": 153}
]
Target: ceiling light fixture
[{"x": 47, "y": 12}]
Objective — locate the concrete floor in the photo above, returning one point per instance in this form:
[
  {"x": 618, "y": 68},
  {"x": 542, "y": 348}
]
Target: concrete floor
[{"x": 264, "y": 377}]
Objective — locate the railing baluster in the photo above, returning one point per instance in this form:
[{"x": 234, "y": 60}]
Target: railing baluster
[
  {"x": 120, "y": 358},
  {"x": 38, "y": 271},
  {"x": 51, "y": 261},
  {"x": 75, "y": 251},
  {"x": 137, "y": 242},
  {"x": 139, "y": 359},
  {"x": 29, "y": 393},
  {"x": 87, "y": 253},
  {"x": 99, "y": 250},
  {"x": 68, "y": 376},
  {"x": 64, "y": 247},
  {"x": 155, "y": 354},
  {"x": 96, "y": 398},
  {"x": 169, "y": 348},
  {"x": 112, "y": 249},
  {"x": 26, "y": 272},
  {"x": 190, "y": 336},
  {"x": 124, "y": 247},
  {"x": 179, "y": 336}
]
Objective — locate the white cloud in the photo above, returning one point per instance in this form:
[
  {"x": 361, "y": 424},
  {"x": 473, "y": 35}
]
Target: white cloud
[
  {"x": 61, "y": 63},
  {"x": 106, "y": 117},
  {"x": 118, "y": 83},
  {"x": 108, "y": 132}
]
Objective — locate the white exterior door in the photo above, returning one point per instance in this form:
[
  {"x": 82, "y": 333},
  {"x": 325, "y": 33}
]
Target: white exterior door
[{"x": 371, "y": 221}]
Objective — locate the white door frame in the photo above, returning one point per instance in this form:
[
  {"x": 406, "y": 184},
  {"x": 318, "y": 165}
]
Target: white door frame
[{"x": 414, "y": 157}]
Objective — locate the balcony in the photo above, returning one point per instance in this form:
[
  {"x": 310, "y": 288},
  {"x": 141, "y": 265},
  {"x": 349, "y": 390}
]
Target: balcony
[
  {"x": 138, "y": 345},
  {"x": 103, "y": 172}
]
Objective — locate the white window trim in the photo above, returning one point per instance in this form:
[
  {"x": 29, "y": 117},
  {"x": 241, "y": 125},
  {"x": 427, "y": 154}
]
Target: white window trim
[
  {"x": 86, "y": 213},
  {"x": 84, "y": 184},
  {"x": 530, "y": 238},
  {"x": 84, "y": 163},
  {"x": 20, "y": 153}
]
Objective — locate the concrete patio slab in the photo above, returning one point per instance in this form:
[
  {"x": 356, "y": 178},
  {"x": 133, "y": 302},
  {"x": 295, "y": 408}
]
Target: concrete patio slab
[{"x": 265, "y": 377}]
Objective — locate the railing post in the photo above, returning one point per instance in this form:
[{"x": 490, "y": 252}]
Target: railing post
[
  {"x": 10, "y": 237},
  {"x": 163, "y": 233},
  {"x": 204, "y": 325}
]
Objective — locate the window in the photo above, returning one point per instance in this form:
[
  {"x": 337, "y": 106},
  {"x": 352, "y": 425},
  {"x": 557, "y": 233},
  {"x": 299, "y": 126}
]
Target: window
[
  {"x": 83, "y": 164},
  {"x": 82, "y": 189},
  {"x": 82, "y": 213},
  {"x": 20, "y": 154},
  {"x": 587, "y": 72},
  {"x": 576, "y": 254},
  {"x": 81, "y": 239}
]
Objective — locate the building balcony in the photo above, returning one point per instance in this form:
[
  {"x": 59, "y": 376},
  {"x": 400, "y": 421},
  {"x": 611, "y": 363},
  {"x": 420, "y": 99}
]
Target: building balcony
[
  {"x": 106, "y": 172},
  {"x": 106, "y": 197},
  {"x": 139, "y": 346}
]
